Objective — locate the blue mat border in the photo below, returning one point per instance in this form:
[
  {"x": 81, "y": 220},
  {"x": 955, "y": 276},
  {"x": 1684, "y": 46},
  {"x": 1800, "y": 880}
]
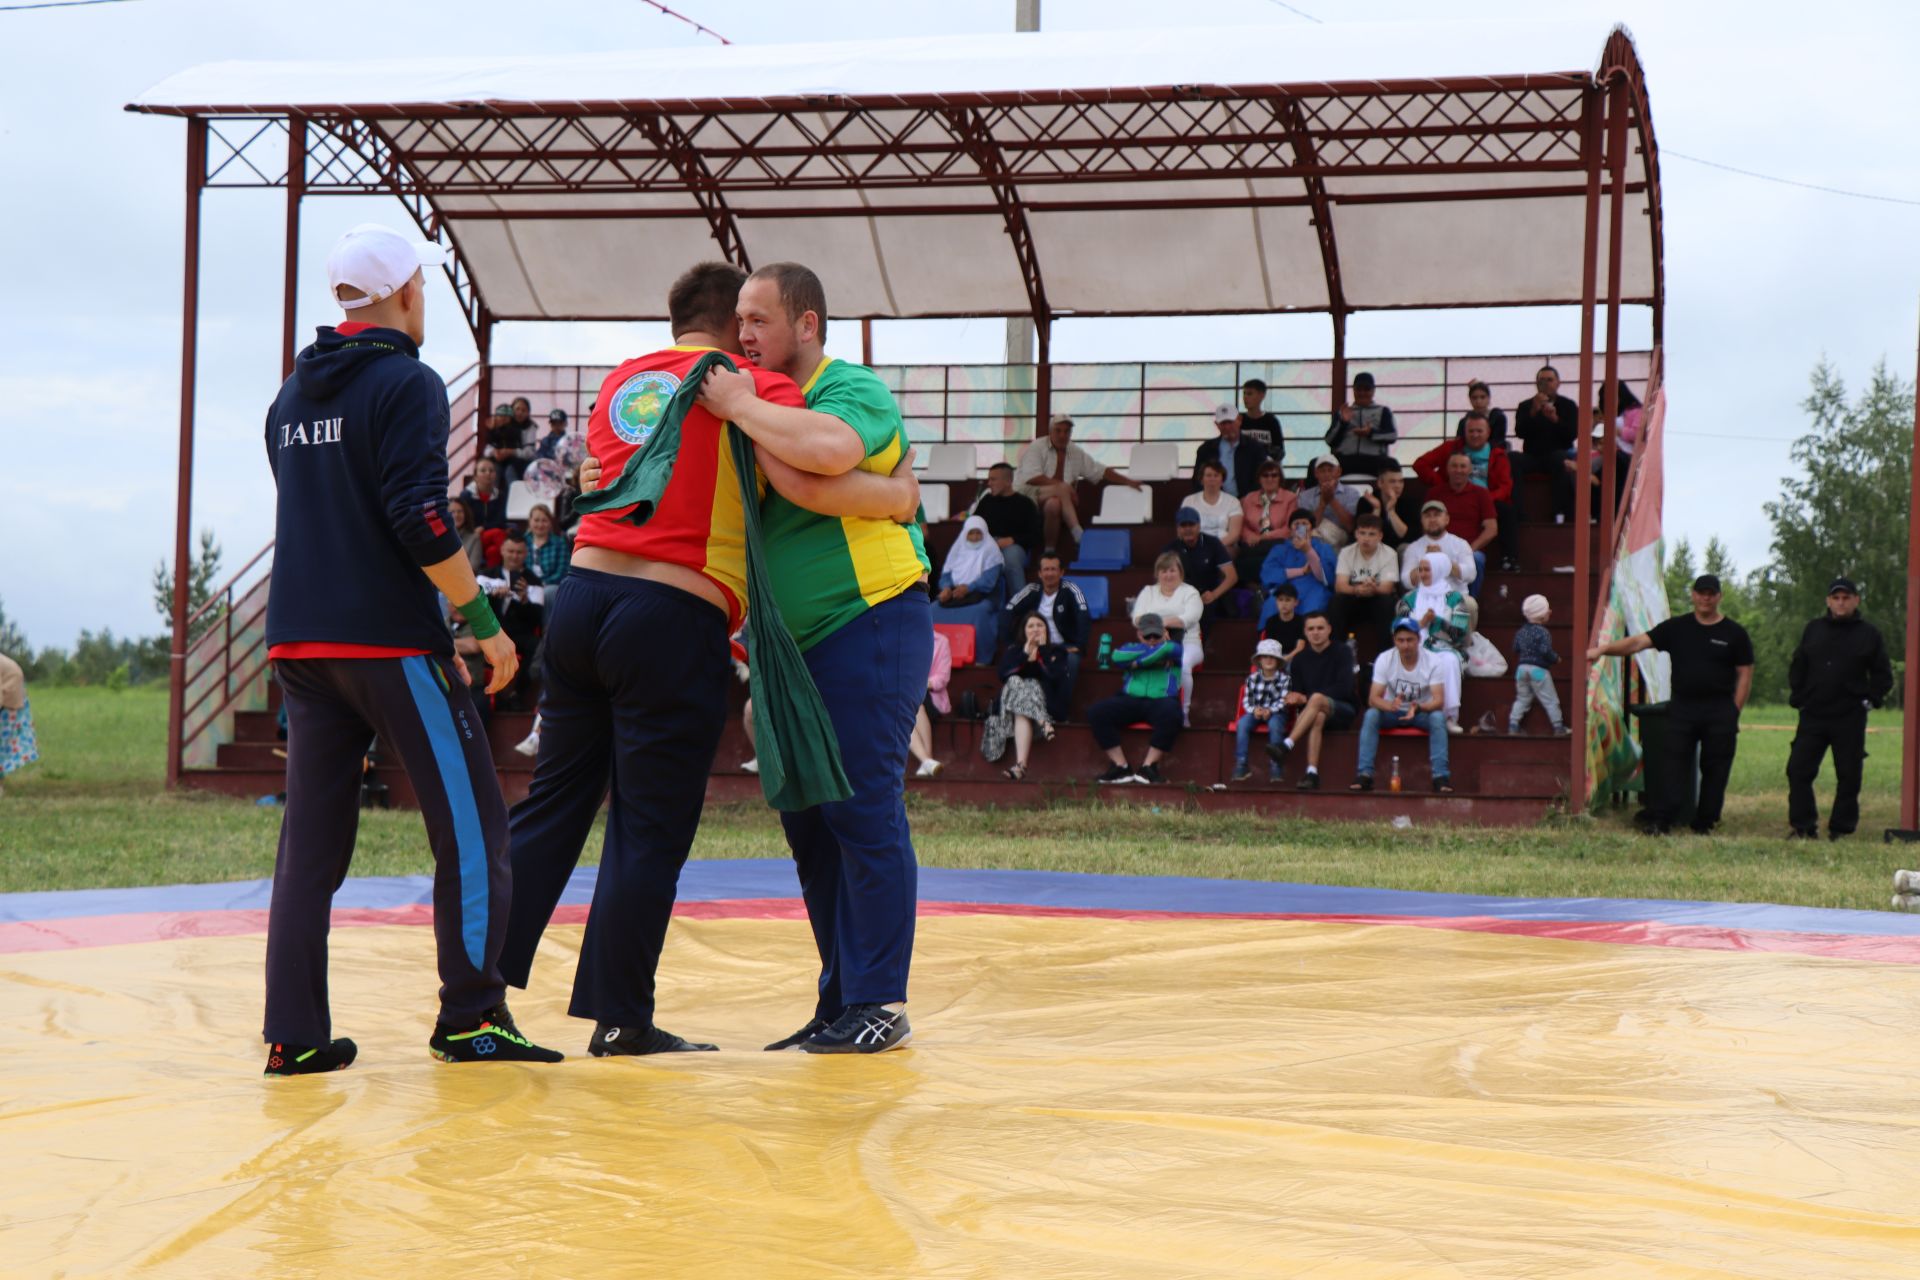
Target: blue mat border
[{"x": 725, "y": 879}]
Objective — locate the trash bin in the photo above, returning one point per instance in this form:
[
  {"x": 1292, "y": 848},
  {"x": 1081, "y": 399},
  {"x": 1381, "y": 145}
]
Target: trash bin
[{"x": 1656, "y": 796}]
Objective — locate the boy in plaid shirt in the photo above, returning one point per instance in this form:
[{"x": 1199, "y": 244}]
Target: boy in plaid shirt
[{"x": 1262, "y": 700}]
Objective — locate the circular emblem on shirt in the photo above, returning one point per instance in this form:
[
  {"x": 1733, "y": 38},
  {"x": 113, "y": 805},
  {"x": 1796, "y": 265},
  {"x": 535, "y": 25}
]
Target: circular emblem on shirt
[{"x": 639, "y": 405}]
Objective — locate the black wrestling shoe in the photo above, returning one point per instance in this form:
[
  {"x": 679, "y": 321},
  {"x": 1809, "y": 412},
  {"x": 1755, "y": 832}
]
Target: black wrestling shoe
[
  {"x": 494, "y": 1039},
  {"x": 306, "y": 1060},
  {"x": 613, "y": 1042},
  {"x": 863, "y": 1028},
  {"x": 813, "y": 1028}
]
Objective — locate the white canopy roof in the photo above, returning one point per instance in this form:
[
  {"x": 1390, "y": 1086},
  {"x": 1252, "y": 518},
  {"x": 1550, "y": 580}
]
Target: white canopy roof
[{"x": 1201, "y": 170}]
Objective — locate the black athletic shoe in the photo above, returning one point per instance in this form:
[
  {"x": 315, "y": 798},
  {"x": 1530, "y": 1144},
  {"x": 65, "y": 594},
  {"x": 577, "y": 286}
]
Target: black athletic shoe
[
  {"x": 863, "y": 1028},
  {"x": 306, "y": 1060},
  {"x": 494, "y": 1039},
  {"x": 1149, "y": 774},
  {"x": 612, "y": 1042},
  {"x": 1277, "y": 752},
  {"x": 1362, "y": 783},
  {"x": 1804, "y": 833},
  {"x": 1117, "y": 775},
  {"x": 813, "y": 1028},
  {"x": 1310, "y": 782}
]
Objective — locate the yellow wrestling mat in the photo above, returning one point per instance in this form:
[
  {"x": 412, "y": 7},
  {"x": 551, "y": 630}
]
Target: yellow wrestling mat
[{"x": 1084, "y": 1097}]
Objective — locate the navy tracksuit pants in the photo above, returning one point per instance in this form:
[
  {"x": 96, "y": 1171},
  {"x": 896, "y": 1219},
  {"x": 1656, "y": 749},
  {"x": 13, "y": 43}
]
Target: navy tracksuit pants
[
  {"x": 423, "y": 714},
  {"x": 855, "y": 857},
  {"x": 635, "y": 694}
]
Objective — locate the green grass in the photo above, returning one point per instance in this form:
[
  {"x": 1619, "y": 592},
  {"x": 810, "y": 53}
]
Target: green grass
[{"x": 94, "y": 814}]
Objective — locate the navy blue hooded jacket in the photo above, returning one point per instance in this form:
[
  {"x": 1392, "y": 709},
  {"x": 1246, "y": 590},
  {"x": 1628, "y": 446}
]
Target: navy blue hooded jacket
[{"x": 357, "y": 439}]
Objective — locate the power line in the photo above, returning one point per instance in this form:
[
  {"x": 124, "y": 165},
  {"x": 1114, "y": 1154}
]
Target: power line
[
  {"x": 1788, "y": 182},
  {"x": 55, "y": 4},
  {"x": 689, "y": 21},
  {"x": 1297, "y": 12}
]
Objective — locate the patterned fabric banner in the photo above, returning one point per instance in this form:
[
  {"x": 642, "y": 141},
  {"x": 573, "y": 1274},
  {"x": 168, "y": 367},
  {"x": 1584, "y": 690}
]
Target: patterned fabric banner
[{"x": 1636, "y": 599}]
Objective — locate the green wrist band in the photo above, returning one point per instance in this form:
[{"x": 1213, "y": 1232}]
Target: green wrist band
[{"x": 480, "y": 616}]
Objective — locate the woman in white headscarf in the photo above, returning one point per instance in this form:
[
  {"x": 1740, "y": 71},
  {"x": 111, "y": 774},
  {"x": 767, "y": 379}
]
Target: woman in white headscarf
[
  {"x": 1442, "y": 614},
  {"x": 972, "y": 591},
  {"x": 17, "y": 746}
]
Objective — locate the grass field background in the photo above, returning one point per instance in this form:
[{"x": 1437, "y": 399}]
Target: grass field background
[{"x": 94, "y": 814}]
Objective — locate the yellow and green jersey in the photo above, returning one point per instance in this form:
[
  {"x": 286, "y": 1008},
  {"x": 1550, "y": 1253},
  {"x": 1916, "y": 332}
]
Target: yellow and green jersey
[{"x": 828, "y": 570}]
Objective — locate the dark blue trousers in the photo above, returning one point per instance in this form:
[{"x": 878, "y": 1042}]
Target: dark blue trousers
[
  {"x": 855, "y": 857},
  {"x": 635, "y": 677},
  {"x": 424, "y": 715}
]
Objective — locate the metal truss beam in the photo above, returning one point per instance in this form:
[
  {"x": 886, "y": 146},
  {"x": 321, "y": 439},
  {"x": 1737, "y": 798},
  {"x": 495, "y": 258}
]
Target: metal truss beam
[
  {"x": 667, "y": 135},
  {"x": 971, "y": 131}
]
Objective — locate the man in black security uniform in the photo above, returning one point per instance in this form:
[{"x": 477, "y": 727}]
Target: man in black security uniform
[
  {"x": 1838, "y": 672},
  {"x": 357, "y": 439},
  {"x": 1712, "y": 674}
]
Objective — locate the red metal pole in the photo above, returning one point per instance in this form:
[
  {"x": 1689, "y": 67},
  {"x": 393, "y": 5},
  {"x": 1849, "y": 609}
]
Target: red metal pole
[
  {"x": 1610, "y": 393},
  {"x": 296, "y": 188},
  {"x": 1339, "y": 388},
  {"x": 866, "y": 342},
  {"x": 183, "y": 503},
  {"x": 1043, "y": 374},
  {"x": 1583, "y": 458},
  {"x": 1910, "y": 702},
  {"x": 482, "y": 386}
]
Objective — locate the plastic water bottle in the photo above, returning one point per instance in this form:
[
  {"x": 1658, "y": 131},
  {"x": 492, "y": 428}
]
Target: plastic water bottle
[
  {"x": 1393, "y": 778},
  {"x": 1104, "y": 657}
]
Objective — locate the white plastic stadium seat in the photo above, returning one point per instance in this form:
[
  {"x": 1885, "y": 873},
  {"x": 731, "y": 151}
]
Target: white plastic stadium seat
[
  {"x": 521, "y": 500},
  {"x": 1154, "y": 461},
  {"x": 1121, "y": 505},
  {"x": 937, "y": 501},
  {"x": 950, "y": 462}
]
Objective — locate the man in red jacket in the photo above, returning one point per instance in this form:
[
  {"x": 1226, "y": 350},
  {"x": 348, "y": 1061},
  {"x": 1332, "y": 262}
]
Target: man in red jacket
[{"x": 1491, "y": 470}]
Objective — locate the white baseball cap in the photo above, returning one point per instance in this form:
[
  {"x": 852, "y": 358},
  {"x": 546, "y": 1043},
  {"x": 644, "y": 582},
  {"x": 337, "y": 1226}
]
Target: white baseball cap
[
  {"x": 1224, "y": 413},
  {"x": 378, "y": 261}
]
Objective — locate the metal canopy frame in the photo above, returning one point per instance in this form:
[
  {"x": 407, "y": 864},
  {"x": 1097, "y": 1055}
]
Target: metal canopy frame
[{"x": 1008, "y": 155}]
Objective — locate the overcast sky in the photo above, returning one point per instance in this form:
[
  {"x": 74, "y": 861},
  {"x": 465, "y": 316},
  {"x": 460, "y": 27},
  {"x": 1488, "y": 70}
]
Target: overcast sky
[{"x": 1762, "y": 279}]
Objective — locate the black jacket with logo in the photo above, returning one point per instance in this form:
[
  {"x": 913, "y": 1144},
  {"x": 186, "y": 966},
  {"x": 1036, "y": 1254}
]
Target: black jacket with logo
[
  {"x": 357, "y": 439},
  {"x": 1839, "y": 664}
]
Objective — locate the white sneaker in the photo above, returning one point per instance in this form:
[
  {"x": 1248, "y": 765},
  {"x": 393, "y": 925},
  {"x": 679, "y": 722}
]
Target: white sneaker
[
  {"x": 928, "y": 769},
  {"x": 751, "y": 766},
  {"x": 1453, "y": 727},
  {"x": 529, "y": 746},
  {"x": 1906, "y": 882}
]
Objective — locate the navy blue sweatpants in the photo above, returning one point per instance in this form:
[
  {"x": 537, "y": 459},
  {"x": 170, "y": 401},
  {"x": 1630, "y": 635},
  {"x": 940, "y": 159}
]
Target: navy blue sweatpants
[
  {"x": 424, "y": 715},
  {"x": 855, "y": 857},
  {"x": 635, "y": 676}
]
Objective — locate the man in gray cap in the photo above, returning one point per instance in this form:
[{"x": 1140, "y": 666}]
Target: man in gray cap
[
  {"x": 1149, "y": 691},
  {"x": 1838, "y": 672},
  {"x": 1712, "y": 674}
]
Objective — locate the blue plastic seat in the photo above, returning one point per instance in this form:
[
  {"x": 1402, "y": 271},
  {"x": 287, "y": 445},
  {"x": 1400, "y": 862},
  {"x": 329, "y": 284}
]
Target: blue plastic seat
[
  {"x": 1104, "y": 551},
  {"x": 1095, "y": 590}
]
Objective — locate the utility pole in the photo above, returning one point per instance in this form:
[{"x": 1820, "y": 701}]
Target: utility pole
[{"x": 1026, "y": 17}]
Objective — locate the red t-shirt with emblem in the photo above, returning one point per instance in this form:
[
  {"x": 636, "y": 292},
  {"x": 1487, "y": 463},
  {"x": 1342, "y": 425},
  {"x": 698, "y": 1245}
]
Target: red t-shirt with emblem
[{"x": 698, "y": 523}]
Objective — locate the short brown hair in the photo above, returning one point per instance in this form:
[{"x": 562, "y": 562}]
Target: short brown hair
[
  {"x": 1369, "y": 521},
  {"x": 703, "y": 299},
  {"x": 800, "y": 291},
  {"x": 1170, "y": 560}
]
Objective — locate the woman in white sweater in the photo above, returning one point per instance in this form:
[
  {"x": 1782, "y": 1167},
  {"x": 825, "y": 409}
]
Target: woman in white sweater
[{"x": 1178, "y": 605}]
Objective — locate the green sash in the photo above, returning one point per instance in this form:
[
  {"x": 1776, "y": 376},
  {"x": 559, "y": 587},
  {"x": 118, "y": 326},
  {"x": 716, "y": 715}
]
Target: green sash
[{"x": 799, "y": 755}]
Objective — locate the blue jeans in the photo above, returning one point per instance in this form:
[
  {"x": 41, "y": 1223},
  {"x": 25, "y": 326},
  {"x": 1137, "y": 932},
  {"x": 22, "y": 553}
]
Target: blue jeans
[
  {"x": 1479, "y": 574},
  {"x": 1014, "y": 557},
  {"x": 1244, "y": 736},
  {"x": 1434, "y": 722}
]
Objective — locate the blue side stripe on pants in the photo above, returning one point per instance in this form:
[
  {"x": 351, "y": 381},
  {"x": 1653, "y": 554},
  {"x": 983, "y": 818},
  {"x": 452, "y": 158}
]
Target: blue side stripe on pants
[{"x": 458, "y": 784}]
